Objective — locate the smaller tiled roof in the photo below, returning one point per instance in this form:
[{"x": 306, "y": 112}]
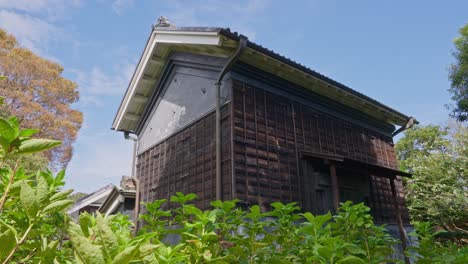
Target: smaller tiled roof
[{"x": 95, "y": 199}]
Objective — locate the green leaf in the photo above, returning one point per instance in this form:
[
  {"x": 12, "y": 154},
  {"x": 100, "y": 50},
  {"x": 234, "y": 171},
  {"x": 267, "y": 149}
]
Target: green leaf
[
  {"x": 28, "y": 200},
  {"x": 350, "y": 260},
  {"x": 7, "y": 133},
  {"x": 35, "y": 145},
  {"x": 28, "y": 132},
  {"x": 127, "y": 255},
  {"x": 42, "y": 190},
  {"x": 190, "y": 209},
  {"x": 8, "y": 239},
  {"x": 85, "y": 251},
  {"x": 86, "y": 222},
  {"x": 49, "y": 252},
  {"x": 14, "y": 123},
  {"x": 7, "y": 243},
  {"x": 61, "y": 195},
  {"x": 57, "y": 206},
  {"x": 58, "y": 180},
  {"x": 107, "y": 238},
  {"x": 324, "y": 252},
  {"x": 355, "y": 250}
]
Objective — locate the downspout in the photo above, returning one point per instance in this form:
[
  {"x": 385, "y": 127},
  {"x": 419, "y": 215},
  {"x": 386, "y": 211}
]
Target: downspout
[
  {"x": 227, "y": 66},
  {"x": 135, "y": 142},
  {"x": 409, "y": 124},
  {"x": 403, "y": 237},
  {"x": 137, "y": 182}
]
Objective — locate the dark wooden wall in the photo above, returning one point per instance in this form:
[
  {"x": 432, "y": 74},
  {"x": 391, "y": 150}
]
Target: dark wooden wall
[
  {"x": 185, "y": 162},
  {"x": 270, "y": 132}
]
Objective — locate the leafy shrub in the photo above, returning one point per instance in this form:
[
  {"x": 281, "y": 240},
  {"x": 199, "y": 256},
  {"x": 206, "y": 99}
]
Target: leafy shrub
[
  {"x": 31, "y": 223},
  {"x": 227, "y": 234},
  {"x": 98, "y": 239},
  {"x": 431, "y": 250}
]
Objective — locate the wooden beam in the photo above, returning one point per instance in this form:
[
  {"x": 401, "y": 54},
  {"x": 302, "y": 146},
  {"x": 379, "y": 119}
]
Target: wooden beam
[
  {"x": 132, "y": 116},
  {"x": 139, "y": 98},
  {"x": 334, "y": 185},
  {"x": 156, "y": 58},
  {"x": 147, "y": 78}
]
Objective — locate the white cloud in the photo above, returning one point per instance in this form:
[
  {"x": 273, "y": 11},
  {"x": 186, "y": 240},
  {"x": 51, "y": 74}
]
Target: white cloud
[
  {"x": 240, "y": 15},
  {"x": 49, "y": 8},
  {"x": 98, "y": 82},
  {"x": 101, "y": 83},
  {"x": 104, "y": 158},
  {"x": 119, "y": 6},
  {"x": 89, "y": 100},
  {"x": 32, "y": 32},
  {"x": 35, "y": 22}
]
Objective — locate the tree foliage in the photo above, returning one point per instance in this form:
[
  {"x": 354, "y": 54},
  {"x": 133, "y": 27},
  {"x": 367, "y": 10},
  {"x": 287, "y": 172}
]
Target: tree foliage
[
  {"x": 431, "y": 250},
  {"x": 459, "y": 76},
  {"x": 438, "y": 159},
  {"x": 36, "y": 92}
]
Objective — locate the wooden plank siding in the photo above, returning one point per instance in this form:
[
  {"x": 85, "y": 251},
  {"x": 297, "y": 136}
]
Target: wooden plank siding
[
  {"x": 270, "y": 132},
  {"x": 185, "y": 162},
  {"x": 263, "y": 138}
]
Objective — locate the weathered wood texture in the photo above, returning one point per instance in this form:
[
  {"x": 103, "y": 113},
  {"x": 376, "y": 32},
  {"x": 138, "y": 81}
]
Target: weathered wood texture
[
  {"x": 270, "y": 132},
  {"x": 185, "y": 162}
]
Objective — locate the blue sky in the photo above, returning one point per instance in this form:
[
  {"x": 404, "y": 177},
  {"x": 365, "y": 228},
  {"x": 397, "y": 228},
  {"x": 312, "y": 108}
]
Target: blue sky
[{"x": 397, "y": 52}]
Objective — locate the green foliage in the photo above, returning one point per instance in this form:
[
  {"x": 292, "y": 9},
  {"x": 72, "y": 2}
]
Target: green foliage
[
  {"x": 438, "y": 159},
  {"x": 30, "y": 204},
  {"x": 227, "y": 234},
  {"x": 98, "y": 239},
  {"x": 459, "y": 76},
  {"x": 32, "y": 162},
  {"x": 431, "y": 250},
  {"x": 356, "y": 225}
]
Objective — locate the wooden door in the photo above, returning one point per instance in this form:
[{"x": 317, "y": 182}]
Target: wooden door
[{"x": 315, "y": 187}]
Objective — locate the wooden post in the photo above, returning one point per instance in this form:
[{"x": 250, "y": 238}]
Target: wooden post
[
  {"x": 334, "y": 185},
  {"x": 398, "y": 218}
]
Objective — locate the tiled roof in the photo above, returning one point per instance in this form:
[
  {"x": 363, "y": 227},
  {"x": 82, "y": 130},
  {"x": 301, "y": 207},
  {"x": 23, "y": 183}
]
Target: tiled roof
[{"x": 236, "y": 36}]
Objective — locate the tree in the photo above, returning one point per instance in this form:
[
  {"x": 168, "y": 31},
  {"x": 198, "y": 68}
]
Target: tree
[
  {"x": 438, "y": 159},
  {"x": 36, "y": 92},
  {"x": 459, "y": 77}
]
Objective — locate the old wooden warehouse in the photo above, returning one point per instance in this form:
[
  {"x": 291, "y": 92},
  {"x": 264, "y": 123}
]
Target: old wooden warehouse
[{"x": 286, "y": 133}]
